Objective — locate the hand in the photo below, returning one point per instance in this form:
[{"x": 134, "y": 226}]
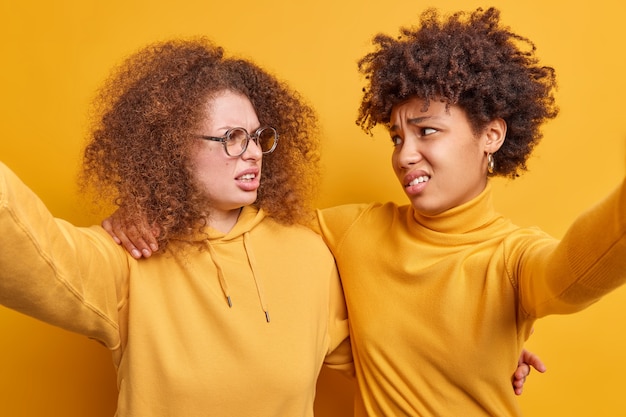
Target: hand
[
  {"x": 138, "y": 239},
  {"x": 526, "y": 360}
]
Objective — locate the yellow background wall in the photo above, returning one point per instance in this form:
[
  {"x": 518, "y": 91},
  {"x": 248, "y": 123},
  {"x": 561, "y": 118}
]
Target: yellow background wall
[{"x": 55, "y": 54}]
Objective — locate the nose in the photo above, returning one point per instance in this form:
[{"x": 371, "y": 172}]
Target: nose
[
  {"x": 408, "y": 153},
  {"x": 253, "y": 150}
]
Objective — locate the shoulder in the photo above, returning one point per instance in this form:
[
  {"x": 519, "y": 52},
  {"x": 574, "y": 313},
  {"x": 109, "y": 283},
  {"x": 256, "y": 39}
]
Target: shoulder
[
  {"x": 285, "y": 234},
  {"x": 351, "y": 212}
]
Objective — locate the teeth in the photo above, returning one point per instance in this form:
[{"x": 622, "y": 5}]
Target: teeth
[
  {"x": 419, "y": 179},
  {"x": 247, "y": 177}
]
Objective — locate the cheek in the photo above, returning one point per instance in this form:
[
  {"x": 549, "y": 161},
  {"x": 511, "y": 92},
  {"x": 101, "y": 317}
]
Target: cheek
[
  {"x": 461, "y": 157},
  {"x": 208, "y": 167},
  {"x": 472, "y": 157},
  {"x": 394, "y": 160}
]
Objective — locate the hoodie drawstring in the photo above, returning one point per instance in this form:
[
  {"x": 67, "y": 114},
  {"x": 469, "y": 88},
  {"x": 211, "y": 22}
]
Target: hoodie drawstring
[
  {"x": 257, "y": 281},
  {"x": 220, "y": 275},
  {"x": 255, "y": 275}
]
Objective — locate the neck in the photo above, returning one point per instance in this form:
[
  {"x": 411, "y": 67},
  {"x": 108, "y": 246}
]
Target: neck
[{"x": 224, "y": 221}]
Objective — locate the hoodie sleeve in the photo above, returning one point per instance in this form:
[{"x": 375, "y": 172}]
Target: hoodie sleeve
[
  {"x": 71, "y": 277},
  {"x": 339, "y": 356}
]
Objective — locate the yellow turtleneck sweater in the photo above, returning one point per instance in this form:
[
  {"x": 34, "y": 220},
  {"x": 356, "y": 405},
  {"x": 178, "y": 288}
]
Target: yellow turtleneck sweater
[{"x": 440, "y": 306}]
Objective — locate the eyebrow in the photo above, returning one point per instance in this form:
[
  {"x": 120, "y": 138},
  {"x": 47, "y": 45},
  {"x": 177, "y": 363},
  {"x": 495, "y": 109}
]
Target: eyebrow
[{"x": 413, "y": 121}]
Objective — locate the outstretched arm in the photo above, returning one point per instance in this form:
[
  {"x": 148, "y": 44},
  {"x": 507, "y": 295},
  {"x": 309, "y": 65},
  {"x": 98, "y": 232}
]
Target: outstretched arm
[
  {"x": 566, "y": 276},
  {"x": 64, "y": 275}
]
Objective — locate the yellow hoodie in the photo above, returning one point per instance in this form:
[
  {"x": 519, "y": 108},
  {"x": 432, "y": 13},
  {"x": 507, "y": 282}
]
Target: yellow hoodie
[{"x": 239, "y": 329}]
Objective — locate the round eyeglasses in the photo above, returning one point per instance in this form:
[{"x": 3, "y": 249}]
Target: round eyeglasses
[{"x": 236, "y": 140}]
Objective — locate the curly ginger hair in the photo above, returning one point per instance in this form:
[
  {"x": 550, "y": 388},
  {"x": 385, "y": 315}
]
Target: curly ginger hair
[
  {"x": 470, "y": 60},
  {"x": 145, "y": 115}
]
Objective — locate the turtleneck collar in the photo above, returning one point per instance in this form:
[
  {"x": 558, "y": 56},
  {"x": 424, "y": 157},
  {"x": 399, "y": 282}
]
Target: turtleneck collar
[{"x": 465, "y": 218}]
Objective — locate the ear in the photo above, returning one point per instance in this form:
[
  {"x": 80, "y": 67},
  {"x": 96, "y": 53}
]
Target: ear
[{"x": 494, "y": 133}]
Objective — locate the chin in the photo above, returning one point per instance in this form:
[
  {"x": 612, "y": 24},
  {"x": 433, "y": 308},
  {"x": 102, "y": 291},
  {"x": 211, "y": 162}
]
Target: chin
[
  {"x": 249, "y": 201},
  {"x": 425, "y": 209}
]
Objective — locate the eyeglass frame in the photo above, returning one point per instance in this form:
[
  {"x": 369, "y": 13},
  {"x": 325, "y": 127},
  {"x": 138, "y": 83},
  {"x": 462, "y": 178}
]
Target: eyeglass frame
[{"x": 254, "y": 136}]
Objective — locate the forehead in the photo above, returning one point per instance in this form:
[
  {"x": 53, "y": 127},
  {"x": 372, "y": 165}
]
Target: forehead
[
  {"x": 229, "y": 109},
  {"x": 418, "y": 112},
  {"x": 228, "y": 102},
  {"x": 417, "y": 108}
]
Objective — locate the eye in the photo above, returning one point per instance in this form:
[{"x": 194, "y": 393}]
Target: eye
[
  {"x": 396, "y": 140},
  {"x": 428, "y": 131}
]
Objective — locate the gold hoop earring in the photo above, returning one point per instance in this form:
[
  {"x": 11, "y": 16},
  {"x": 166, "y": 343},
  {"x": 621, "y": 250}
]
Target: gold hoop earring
[{"x": 491, "y": 163}]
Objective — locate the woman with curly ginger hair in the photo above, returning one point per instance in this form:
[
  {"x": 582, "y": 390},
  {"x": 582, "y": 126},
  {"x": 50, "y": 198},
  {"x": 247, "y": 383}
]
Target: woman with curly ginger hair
[
  {"x": 146, "y": 113},
  {"x": 449, "y": 290},
  {"x": 239, "y": 313}
]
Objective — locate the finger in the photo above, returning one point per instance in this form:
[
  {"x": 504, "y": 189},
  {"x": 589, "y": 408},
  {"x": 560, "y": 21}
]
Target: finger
[
  {"x": 534, "y": 361},
  {"x": 129, "y": 246},
  {"x": 151, "y": 238},
  {"x": 518, "y": 385},
  {"x": 522, "y": 371},
  {"x": 139, "y": 234},
  {"x": 136, "y": 234},
  {"x": 107, "y": 226},
  {"x": 127, "y": 235}
]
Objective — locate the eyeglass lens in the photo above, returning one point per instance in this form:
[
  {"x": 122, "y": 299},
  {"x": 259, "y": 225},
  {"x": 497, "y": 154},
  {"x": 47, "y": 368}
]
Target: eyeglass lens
[{"x": 238, "y": 138}]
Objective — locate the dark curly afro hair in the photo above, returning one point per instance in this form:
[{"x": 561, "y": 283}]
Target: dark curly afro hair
[
  {"x": 469, "y": 60},
  {"x": 145, "y": 118}
]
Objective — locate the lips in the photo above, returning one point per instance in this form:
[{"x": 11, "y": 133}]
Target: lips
[
  {"x": 249, "y": 174},
  {"x": 418, "y": 180},
  {"x": 415, "y": 177},
  {"x": 248, "y": 180},
  {"x": 415, "y": 182},
  {"x": 246, "y": 177}
]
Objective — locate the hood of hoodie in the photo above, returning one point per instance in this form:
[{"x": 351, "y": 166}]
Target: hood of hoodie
[{"x": 248, "y": 219}]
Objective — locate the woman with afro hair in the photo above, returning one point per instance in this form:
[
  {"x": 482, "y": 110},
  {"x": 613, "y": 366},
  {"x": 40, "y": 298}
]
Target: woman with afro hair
[
  {"x": 239, "y": 313},
  {"x": 443, "y": 292}
]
